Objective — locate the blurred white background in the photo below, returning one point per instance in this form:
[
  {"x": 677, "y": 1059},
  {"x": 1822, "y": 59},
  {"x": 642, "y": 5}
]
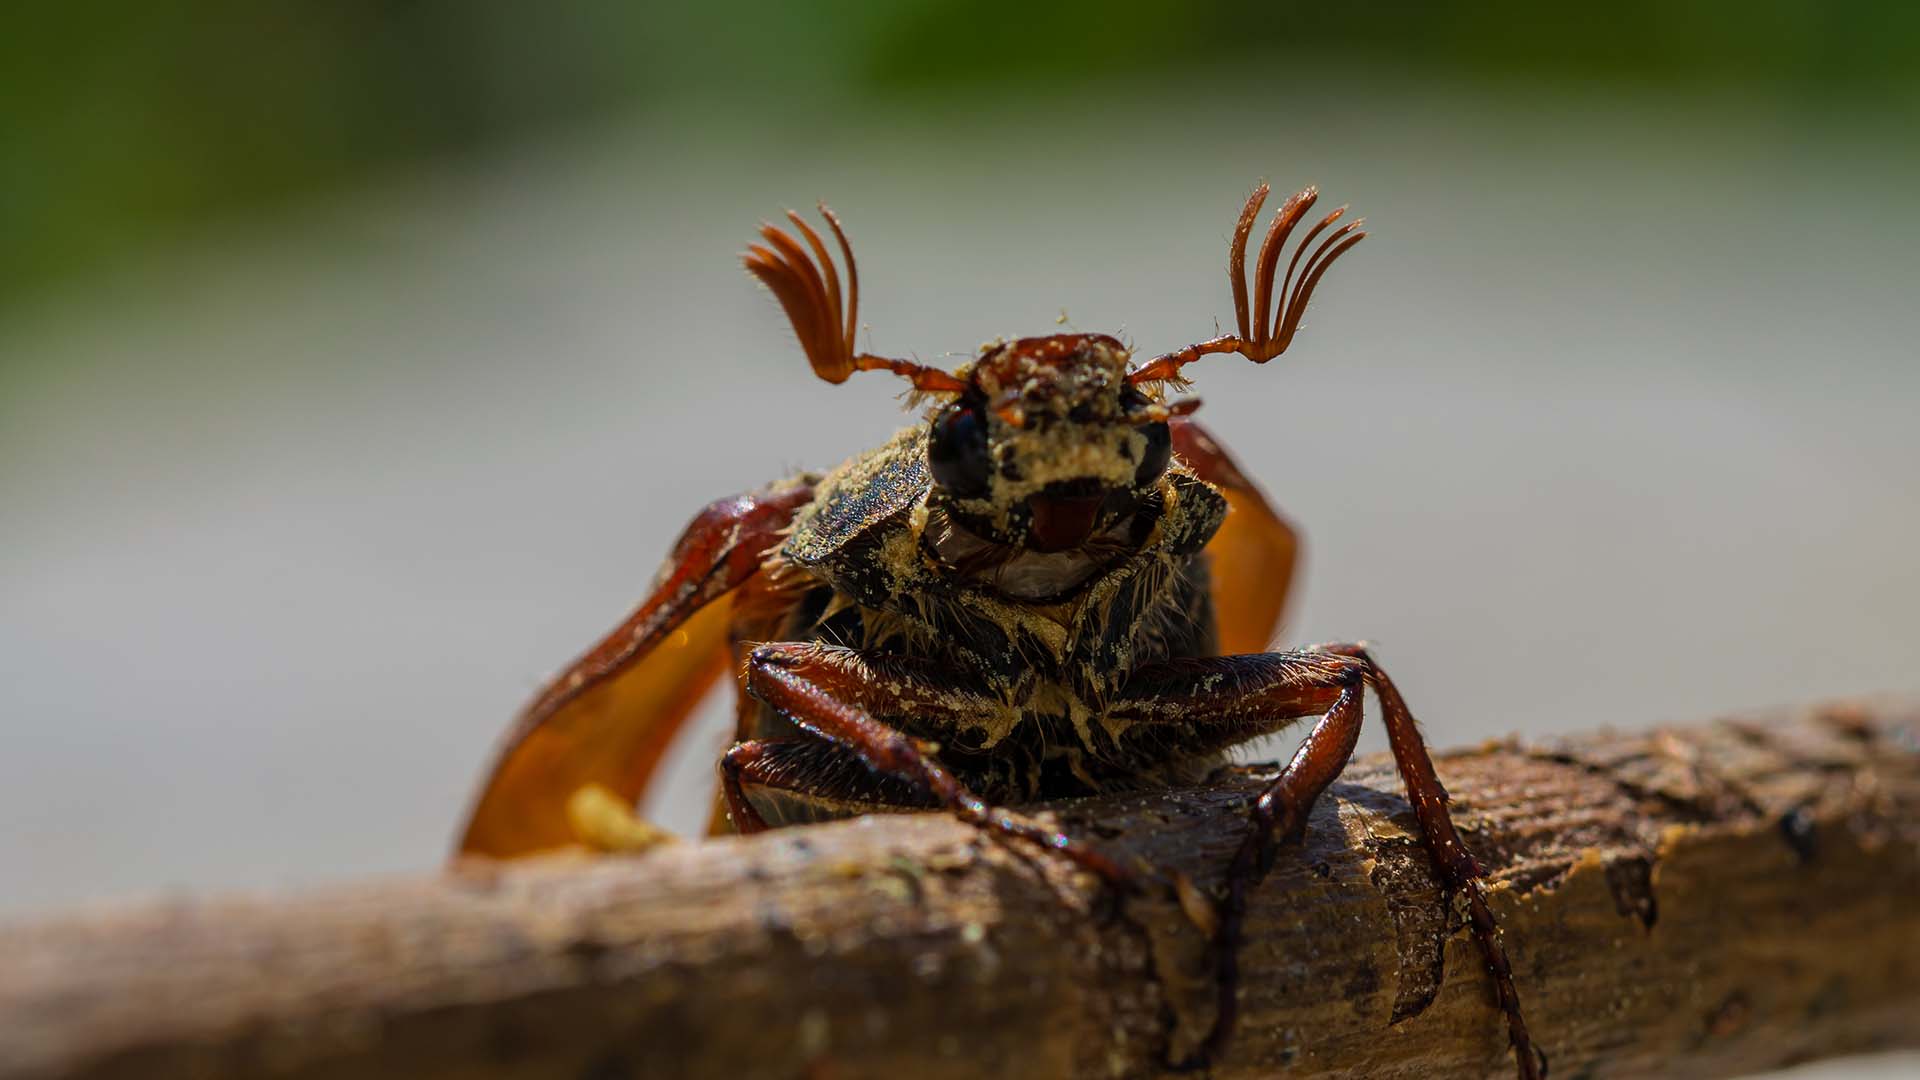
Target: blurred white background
[{"x": 300, "y": 509}]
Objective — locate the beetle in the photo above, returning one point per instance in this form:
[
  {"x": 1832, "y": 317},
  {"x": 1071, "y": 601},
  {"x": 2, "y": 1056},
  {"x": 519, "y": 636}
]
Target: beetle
[{"x": 1055, "y": 584}]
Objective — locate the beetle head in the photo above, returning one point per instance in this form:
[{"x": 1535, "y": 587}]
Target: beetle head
[{"x": 1048, "y": 444}]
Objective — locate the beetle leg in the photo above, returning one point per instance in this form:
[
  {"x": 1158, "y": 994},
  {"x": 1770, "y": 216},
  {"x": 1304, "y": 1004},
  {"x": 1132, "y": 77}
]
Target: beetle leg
[
  {"x": 1279, "y": 813},
  {"x": 1458, "y": 868},
  {"x": 820, "y": 776},
  {"x": 743, "y": 762},
  {"x": 1229, "y": 699},
  {"x": 1217, "y": 702},
  {"x": 833, "y": 693}
]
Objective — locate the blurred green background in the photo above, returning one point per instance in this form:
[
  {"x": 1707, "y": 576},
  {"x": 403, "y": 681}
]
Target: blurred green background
[{"x": 123, "y": 124}]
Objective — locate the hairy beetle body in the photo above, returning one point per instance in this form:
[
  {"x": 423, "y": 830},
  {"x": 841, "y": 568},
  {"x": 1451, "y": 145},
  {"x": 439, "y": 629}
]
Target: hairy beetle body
[
  {"x": 1057, "y": 584},
  {"x": 887, "y": 578}
]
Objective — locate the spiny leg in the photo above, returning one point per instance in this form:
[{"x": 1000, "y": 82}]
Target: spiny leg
[
  {"x": 833, "y": 693},
  {"x": 1458, "y": 868},
  {"x": 1279, "y": 813},
  {"x": 823, "y": 778},
  {"x": 744, "y": 763},
  {"x": 1225, "y": 700},
  {"x": 1205, "y": 705}
]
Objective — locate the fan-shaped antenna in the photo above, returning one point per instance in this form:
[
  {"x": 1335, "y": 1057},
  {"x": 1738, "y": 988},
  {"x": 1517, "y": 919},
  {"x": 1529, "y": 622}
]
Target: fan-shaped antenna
[
  {"x": 1261, "y": 338},
  {"x": 808, "y": 287}
]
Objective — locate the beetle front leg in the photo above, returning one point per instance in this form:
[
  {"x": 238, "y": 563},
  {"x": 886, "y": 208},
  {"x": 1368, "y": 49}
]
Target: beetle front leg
[
  {"x": 743, "y": 761},
  {"x": 1220, "y": 701},
  {"x": 1281, "y": 811},
  {"x": 1458, "y": 867},
  {"x": 834, "y": 693}
]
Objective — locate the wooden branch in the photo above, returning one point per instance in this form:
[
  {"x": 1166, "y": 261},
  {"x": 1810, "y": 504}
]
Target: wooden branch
[{"x": 1694, "y": 902}]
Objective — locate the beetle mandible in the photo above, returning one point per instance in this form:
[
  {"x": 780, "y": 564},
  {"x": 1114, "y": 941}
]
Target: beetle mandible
[{"x": 1057, "y": 584}]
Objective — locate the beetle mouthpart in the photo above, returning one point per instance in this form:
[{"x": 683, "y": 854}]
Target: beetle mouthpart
[{"x": 1060, "y": 522}]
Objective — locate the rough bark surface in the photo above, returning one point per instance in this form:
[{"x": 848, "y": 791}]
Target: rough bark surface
[{"x": 1694, "y": 901}]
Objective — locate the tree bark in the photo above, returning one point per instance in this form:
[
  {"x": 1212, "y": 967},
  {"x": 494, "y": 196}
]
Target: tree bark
[{"x": 1697, "y": 901}]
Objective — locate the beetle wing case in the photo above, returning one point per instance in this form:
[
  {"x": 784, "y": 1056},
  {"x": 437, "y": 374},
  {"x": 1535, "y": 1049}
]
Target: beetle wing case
[{"x": 862, "y": 494}]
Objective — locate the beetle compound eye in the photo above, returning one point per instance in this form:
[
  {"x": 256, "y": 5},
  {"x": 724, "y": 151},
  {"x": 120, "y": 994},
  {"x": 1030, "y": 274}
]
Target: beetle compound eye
[
  {"x": 1159, "y": 451},
  {"x": 957, "y": 450}
]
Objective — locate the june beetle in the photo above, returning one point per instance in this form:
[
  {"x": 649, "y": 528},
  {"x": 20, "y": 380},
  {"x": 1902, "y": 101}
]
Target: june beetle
[{"x": 1055, "y": 582}]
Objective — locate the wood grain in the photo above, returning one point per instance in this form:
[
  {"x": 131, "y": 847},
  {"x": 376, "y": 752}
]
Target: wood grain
[{"x": 1697, "y": 901}]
